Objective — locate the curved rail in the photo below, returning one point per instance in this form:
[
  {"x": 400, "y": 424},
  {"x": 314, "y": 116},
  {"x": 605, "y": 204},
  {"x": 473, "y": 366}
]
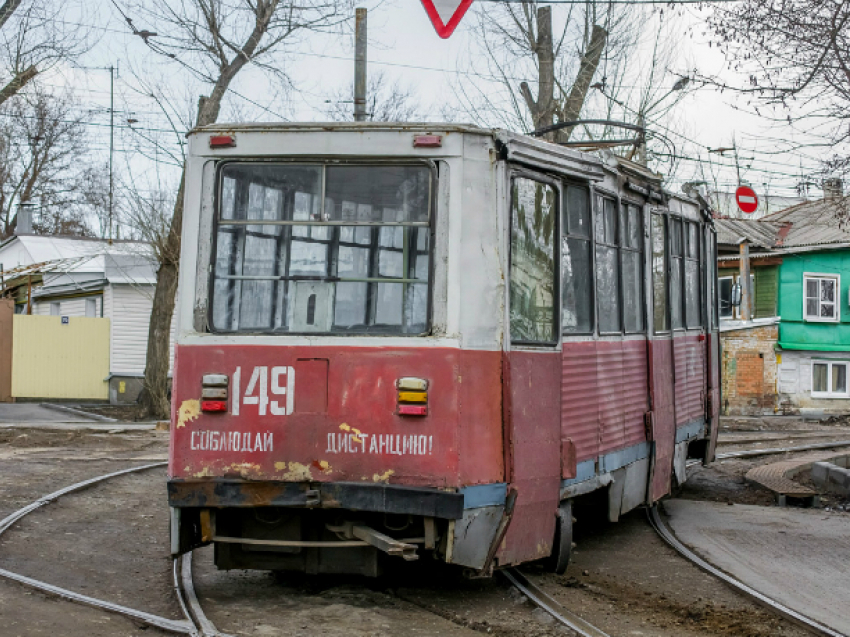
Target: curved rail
[
  {"x": 196, "y": 624},
  {"x": 550, "y": 605},
  {"x": 667, "y": 535}
]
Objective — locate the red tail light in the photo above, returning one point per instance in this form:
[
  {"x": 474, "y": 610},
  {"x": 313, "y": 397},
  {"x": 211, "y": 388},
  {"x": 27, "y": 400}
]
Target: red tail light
[{"x": 213, "y": 405}]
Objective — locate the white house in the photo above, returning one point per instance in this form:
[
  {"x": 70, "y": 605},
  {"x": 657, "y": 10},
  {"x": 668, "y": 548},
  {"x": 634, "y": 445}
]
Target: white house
[{"x": 77, "y": 276}]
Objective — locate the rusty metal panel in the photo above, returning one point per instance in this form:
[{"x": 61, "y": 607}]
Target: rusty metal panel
[
  {"x": 347, "y": 430},
  {"x": 609, "y": 378},
  {"x": 479, "y": 396},
  {"x": 664, "y": 417},
  {"x": 580, "y": 398},
  {"x": 534, "y": 425},
  {"x": 689, "y": 357},
  {"x": 634, "y": 395}
]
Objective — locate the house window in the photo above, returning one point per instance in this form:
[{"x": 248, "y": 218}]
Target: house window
[
  {"x": 820, "y": 297},
  {"x": 829, "y": 379},
  {"x": 54, "y": 308},
  {"x": 91, "y": 308},
  {"x": 727, "y": 310}
]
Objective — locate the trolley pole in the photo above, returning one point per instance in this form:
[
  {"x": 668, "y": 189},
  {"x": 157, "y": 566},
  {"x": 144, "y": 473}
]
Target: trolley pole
[{"x": 360, "y": 65}]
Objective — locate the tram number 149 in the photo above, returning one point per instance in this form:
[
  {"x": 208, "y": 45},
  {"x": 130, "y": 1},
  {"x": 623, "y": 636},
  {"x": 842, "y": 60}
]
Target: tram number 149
[{"x": 266, "y": 383}]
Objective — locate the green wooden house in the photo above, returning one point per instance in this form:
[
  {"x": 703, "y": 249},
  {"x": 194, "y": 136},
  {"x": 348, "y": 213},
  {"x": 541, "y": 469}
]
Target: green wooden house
[{"x": 792, "y": 353}]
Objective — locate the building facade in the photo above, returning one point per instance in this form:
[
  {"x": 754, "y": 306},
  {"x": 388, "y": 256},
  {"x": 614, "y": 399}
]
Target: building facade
[{"x": 786, "y": 348}]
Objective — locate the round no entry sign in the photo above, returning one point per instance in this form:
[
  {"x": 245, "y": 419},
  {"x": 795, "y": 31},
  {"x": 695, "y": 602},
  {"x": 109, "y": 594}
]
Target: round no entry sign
[{"x": 746, "y": 199}]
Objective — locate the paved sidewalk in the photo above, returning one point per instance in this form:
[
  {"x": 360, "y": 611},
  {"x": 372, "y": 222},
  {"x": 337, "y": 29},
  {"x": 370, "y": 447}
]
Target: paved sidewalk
[
  {"x": 796, "y": 556},
  {"x": 21, "y": 413}
]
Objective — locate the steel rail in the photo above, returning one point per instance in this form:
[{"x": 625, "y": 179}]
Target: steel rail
[
  {"x": 550, "y": 605},
  {"x": 798, "y": 618},
  {"x": 181, "y": 627},
  {"x": 189, "y": 599},
  {"x": 752, "y": 453}
]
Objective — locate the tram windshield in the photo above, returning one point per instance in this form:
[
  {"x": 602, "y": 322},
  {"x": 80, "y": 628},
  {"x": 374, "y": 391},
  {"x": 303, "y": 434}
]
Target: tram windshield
[{"x": 314, "y": 248}]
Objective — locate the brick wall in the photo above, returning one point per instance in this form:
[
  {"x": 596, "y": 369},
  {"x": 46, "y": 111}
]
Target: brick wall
[{"x": 749, "y": 370}]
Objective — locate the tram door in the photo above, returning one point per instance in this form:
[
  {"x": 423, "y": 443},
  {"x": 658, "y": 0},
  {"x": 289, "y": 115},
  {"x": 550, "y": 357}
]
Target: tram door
[
  {"x": 661, "y": 361},
  {"x": 532, "y": 393}
]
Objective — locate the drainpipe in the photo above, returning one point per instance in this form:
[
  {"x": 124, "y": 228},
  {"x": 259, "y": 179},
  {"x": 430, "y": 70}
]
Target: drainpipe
[{"x": 746, "y": 308}]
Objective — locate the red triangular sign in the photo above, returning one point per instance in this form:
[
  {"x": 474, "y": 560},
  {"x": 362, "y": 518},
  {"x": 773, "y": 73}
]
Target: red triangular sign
[{"x": 445, "y": 14}]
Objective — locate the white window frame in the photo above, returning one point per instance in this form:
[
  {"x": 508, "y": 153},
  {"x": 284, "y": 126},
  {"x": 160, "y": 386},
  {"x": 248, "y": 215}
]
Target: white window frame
[
  {"x": 829, "y": 393},
  {"x": 818, "y": 276}
]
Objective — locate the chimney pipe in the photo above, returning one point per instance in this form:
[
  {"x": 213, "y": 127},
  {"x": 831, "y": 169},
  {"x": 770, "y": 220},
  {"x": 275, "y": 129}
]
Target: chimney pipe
[
  {"x": 833, "y": 188},
  {"x": 24, "y": 224}
]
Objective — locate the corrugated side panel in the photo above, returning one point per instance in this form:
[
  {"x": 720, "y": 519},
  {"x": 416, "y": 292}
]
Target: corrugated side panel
[
  {"x": 635, "y": 392},
  {"x": 580, "y": 399},
  {"x": 689, "y": 357},
  {"x": 130, "y": 307},
  {"x": 609, "y": 376}
]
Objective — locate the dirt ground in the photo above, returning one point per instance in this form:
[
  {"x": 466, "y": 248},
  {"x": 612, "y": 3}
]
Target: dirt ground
[{"x": 111, "y": 542}]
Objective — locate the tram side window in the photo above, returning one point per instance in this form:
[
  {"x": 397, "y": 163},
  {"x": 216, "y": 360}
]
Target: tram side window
[
  {"x": 322, "y": 249},
  {"x": 607, "y": 267},
  {"x": 659, "y": 274},
  {"x": 676, "y": 272},
  {"x": 631, "y": 266},
  {"x": 576, "y": 279},
  {"x": 693, "y": 312},
  {"x": 532, "y": 278}
]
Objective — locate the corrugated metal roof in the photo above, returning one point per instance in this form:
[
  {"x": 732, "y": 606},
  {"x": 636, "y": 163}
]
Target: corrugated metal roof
[
  {"x": 813, "y": 223},
  {"x": 761, "y": 234}
]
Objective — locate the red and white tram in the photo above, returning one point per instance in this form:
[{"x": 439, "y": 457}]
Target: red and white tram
[{"x": 407, "y": 338}]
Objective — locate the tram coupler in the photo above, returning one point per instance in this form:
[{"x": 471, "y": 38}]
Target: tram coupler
[{"x": 390, "y": 546}]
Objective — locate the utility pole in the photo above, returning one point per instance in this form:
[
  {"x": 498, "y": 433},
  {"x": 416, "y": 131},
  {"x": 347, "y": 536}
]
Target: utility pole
[
  {"x": 360, "y": 65},
  {"x": 641, "y": 149},
  {"x": 111, "y": 141}
]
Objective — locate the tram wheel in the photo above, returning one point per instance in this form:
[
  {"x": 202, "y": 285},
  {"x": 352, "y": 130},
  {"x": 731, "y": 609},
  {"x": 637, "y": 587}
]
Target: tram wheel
[{"x": 562, "y": 547}]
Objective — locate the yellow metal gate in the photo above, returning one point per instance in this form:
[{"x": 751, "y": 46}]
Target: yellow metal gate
[{"x": 60, "y": 357}]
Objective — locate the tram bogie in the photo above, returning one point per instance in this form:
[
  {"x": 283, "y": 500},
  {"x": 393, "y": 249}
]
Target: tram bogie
[{"x": 388, "y": 349}]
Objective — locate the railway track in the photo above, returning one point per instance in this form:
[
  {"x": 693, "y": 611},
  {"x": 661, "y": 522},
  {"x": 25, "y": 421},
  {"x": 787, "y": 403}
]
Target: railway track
[
  {"x": 195, "y": 624},
  {"x": 666, "y": 534}
]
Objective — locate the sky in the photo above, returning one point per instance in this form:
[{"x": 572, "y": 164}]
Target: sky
[{"x": 405, "y": 48}]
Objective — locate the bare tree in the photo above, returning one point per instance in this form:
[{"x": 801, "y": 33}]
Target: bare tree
[
  {"x": 41, "y": 141},
  {"x": 386, "y": 101},
  {"x": 793, "y": 61},
  {"x": 34, "y": 34},
  {"x": 214, "y": 40},
  {"x": 587, "y": 61}
]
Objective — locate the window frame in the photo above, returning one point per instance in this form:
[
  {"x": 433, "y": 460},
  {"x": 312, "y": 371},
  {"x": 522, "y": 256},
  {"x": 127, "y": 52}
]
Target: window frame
[
  {"x": 818, "y": 276},
  {"x": 698, "y": 259},
  {"x": 601, "y": 195},
  {"x": 333, "y": 243},
  {"x": 830, "y": 363},
  {"x": 563, "y": 229},
  {"x": 664, "y": 217},
  {"x": 641, "y": 251},
  {"x": 523, "y": 173}
]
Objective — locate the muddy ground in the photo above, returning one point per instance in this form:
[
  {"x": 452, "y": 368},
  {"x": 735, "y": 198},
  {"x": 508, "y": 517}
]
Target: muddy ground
[{"x": 111, "y": 541}]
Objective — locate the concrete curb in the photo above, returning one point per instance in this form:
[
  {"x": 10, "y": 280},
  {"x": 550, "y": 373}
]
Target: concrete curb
[{"x": 77, "y": 412}]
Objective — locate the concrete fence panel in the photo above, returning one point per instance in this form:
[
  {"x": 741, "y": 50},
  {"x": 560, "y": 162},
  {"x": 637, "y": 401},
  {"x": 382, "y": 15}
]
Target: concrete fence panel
[{"x": 60, "y": 357}]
